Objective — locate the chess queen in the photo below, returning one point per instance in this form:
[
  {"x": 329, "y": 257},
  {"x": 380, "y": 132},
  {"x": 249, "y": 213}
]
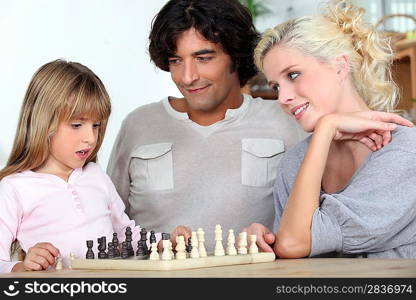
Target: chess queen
[{"x": 53, "y": 194}]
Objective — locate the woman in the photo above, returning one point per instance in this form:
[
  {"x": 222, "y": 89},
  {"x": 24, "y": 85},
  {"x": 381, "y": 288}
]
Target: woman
[{"x": 349, "y": 188}]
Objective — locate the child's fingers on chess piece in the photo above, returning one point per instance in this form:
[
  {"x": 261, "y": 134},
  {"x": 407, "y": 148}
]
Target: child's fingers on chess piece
[
  {"x": 40, "y": 257},
  {"x": 265, "y": 237},
  {"x": 180, "y": 230}
]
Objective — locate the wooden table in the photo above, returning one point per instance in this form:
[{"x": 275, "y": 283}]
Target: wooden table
[{"x": 286, "y": 268}]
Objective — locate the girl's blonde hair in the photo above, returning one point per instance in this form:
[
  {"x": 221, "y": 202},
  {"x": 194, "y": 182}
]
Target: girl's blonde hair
[
  {"x": 340, "y": 30},
  {"x": 59, "y": 91}
]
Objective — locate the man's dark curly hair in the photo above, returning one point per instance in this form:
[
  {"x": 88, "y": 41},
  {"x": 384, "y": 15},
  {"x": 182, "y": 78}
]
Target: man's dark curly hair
[{"x": 226, "y": 22}]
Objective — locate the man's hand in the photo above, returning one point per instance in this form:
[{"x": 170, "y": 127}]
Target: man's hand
[{"x": 180, "y": 230}]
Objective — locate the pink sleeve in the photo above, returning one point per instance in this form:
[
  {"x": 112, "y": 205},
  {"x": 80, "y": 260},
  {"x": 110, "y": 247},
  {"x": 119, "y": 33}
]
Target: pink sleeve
[{"x": 10, "y": 216}]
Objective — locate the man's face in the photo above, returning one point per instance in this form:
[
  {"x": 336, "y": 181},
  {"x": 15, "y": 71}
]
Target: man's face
[{"x": 202, "y": 72}]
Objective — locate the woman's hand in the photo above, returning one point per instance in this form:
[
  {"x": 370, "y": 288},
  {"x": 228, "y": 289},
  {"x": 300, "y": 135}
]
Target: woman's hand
[
  {"x": 265, "y": 237},
  {"x": 39, "y": 257},
  {"x": 372, "y": 128}
]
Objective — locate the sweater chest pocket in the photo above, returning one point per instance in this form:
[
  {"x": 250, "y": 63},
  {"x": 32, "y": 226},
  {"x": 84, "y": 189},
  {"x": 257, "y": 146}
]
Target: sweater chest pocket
[
  {"x": 151, "y": 167},
  {"x": 259, "y": 161}
]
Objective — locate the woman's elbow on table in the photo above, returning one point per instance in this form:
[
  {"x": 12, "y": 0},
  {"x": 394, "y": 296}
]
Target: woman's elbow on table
[{"x": 287, "y": 247}]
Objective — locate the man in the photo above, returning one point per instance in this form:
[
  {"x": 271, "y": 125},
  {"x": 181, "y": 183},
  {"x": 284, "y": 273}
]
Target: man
[{"x": 210, "y": 157}]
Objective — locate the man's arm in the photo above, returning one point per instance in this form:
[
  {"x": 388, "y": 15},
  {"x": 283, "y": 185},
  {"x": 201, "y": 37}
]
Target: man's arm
[{"x": 118, "y": 165}]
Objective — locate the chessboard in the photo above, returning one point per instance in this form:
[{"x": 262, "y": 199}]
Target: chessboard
[
  {"x": 191, "y": 256},
  {"x": 176, "y": 264}
]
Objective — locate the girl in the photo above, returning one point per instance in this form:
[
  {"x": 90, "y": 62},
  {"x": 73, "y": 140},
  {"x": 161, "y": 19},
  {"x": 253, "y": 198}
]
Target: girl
[
  {"x": 345, "y": 190},
  {"x": 53, "y": 196}
]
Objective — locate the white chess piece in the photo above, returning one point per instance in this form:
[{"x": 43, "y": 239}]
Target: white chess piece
[
  {"x": 242, "y": 243},
  {"x": 231, "y": 250},
  {"x": 219, "y": 249},
  {"x": 154, "y": 255},
  {"x": 180, "y": 247},
  {"x": 194, "y": 244},
  {"x": 194, "y": 240},
  {"x": 59, "y": 265},
  {"x": 166, "y": 254},
  {"x": 171, "y": 249},
  {"x": 201, "y": 240},
  {"x": 253, "y": 247},
  {"x": 71, "y": 258}
]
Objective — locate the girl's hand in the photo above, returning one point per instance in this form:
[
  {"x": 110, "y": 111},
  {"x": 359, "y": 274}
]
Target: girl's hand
[
  {"x": 372, "y": 128},
  {"x": 40, "y": 257},
  {"x": 265, "y": 237}
]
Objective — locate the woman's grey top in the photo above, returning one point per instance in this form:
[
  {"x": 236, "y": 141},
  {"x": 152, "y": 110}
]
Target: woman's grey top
[{"x": 374, "y": 215}]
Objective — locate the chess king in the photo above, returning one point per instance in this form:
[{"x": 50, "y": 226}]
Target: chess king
[{"x": 211, "y": 156}]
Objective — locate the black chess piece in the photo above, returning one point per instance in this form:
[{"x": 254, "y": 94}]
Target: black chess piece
[
  {"x": 189, "y": 246},
  {"x": 116, "y": 245},
  {"x": 102, "y": 245},
  {"x": 141, "y": 252},
  {"x": 152, "y": 237},
  {"x": 124, "y": 251},
  {"x": 111, "y": 252},
  {"x": 90, "y": 253},
  {"x": 129, "y": 239},
  {"x": 143, "y": 239}
]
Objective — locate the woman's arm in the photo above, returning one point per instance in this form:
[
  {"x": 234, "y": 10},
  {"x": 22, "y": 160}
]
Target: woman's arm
[
  {"x": 293, "y": 238},
  {"x": 294, "y": 235}
]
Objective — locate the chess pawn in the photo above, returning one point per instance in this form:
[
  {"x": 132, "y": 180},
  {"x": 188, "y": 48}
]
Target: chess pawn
[
  {"x": 231, "y": 250},
  {"x": 111, "y": 250},
  {"x": 90, "y": 253},
  {"x": 242, "y": 243},
  {"x": 116, "y": 245},
  {"x": 171, "y": 249},
  {"x": 71, "y": 259},
  {"x": 59, "y": 265},
  {"x": 219, "y": 249},
  {"x": 154, "y": 255},
  {"x": 166, "y": 254},
  {"x": 141, "y": 252},
  {"x": 124, "y": 251},
  {"x": 253, "y": 247},
  {"x": 180, "y": 247},
  {"x": 189, "y": 246},
  {"x": 194, "y": 242},
  {"x": 201, "y": 240}
]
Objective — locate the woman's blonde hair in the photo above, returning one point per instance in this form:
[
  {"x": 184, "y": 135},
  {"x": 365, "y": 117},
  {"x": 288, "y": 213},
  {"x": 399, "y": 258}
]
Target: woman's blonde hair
[
  {"x": 59, "y": 91},
  {"x": 340, "y": 30}
]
